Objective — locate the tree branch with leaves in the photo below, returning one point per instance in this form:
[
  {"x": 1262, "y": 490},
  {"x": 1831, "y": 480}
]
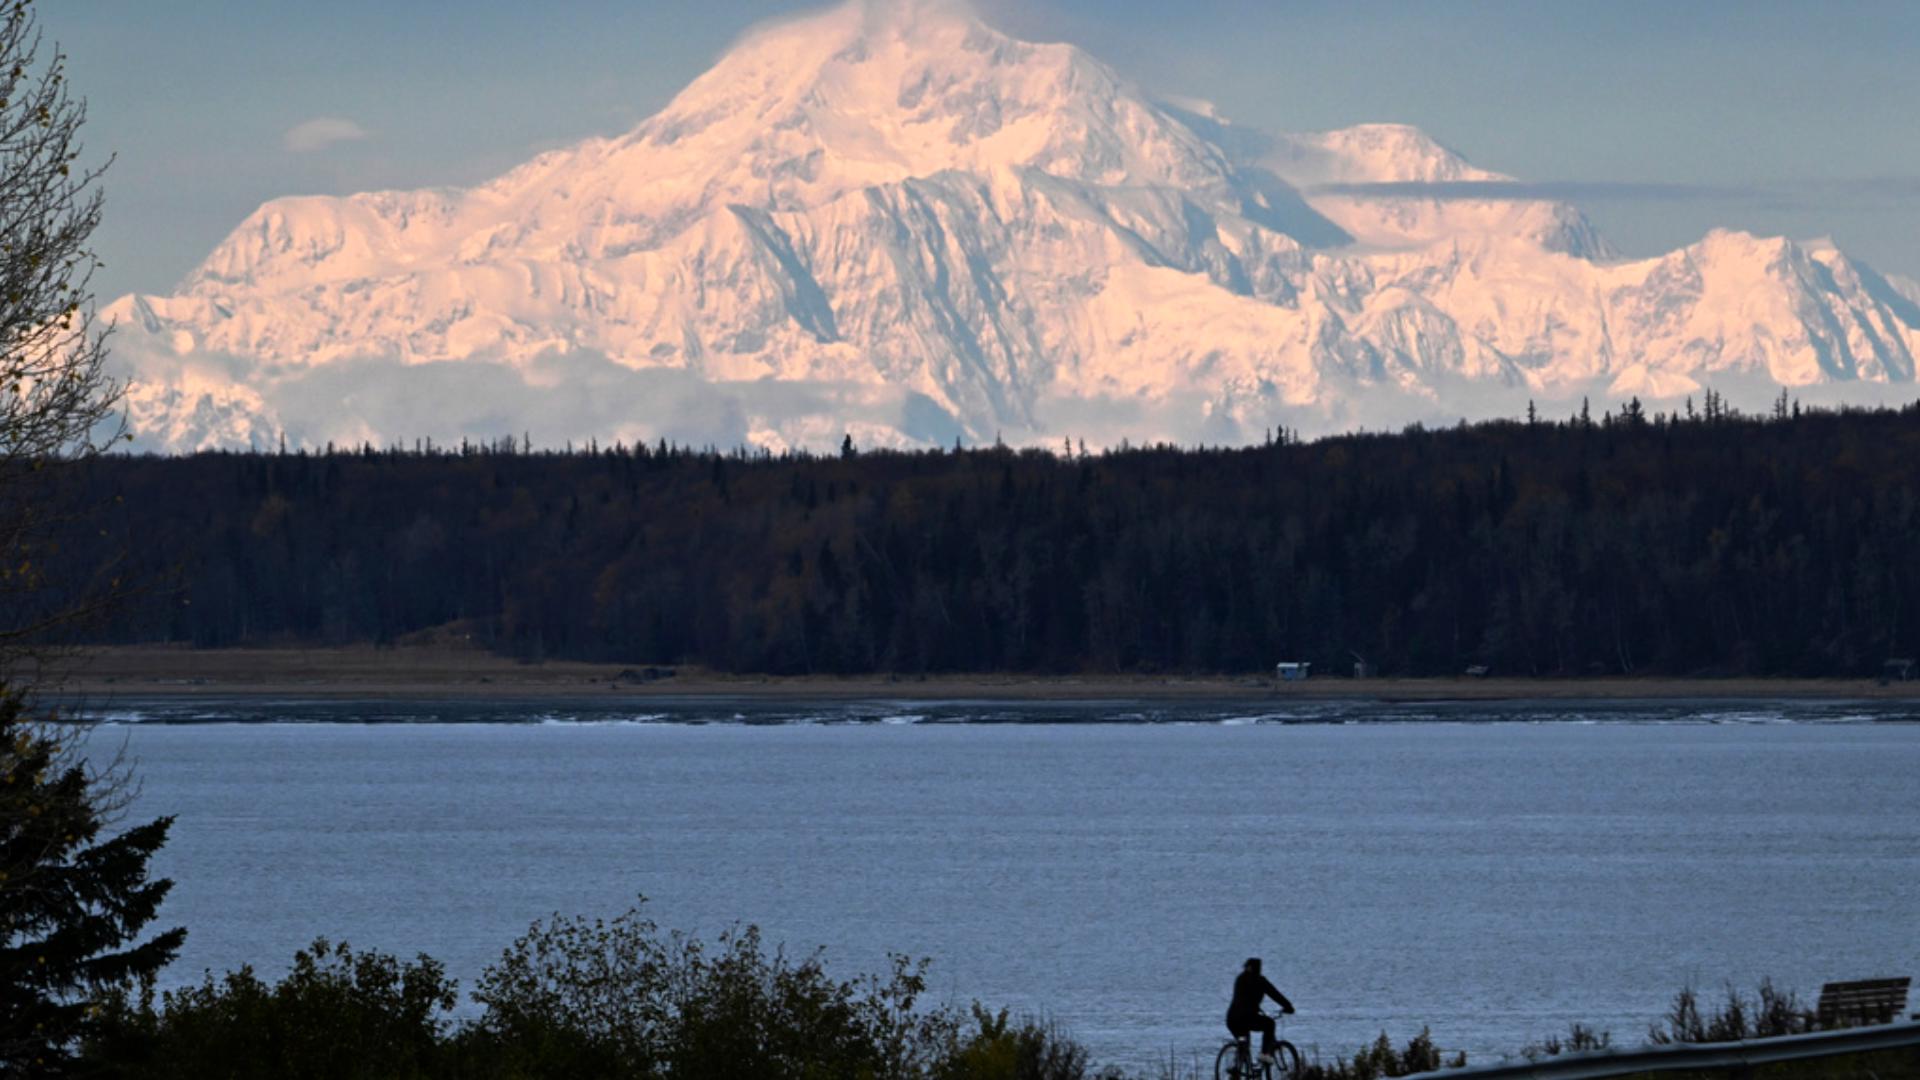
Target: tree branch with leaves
[{"x": 58, "y": 400}]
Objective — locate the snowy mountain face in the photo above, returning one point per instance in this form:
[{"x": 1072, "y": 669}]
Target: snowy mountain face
[{"x": 894, "y": 221}]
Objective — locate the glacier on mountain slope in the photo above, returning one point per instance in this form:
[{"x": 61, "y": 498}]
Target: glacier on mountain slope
[{"x": 891, "y": 220}]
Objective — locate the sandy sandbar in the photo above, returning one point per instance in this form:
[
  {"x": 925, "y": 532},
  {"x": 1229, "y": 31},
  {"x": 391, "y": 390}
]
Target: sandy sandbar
[{"x": 460, "y": 673}]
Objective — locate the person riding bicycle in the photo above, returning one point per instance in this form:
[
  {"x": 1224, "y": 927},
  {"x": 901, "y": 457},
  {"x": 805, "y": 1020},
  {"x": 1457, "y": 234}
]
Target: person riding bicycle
[{"x": 1244, "y": 1017}]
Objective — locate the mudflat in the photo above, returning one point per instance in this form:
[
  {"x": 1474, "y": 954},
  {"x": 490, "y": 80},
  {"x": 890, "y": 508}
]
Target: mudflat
[{"x": 445, "y": 672}]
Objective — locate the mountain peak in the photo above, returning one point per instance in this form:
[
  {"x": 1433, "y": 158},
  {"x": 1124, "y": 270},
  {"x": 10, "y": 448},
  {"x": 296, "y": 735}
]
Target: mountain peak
[
  {"x": 1387, "y": 153},
  {"x": 801, "y": 112},
  {"x": 888, "y": 218}
]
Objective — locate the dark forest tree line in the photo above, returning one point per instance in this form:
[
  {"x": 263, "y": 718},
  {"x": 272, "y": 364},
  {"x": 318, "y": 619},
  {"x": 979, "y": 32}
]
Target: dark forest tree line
[{"x": 1632, "y": 544}]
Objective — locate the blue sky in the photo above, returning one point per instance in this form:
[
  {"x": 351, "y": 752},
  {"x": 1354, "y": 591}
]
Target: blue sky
[{"x": 1669, "y": 118}]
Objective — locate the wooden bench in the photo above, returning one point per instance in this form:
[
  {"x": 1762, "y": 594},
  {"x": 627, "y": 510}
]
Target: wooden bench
[{"x": 1868, "y": 1001}]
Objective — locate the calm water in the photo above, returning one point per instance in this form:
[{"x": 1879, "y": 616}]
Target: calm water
[{"x": 1497, "y": 880}]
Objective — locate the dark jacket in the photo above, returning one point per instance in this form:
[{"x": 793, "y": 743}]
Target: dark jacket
[{"x": 1249, "y": 990}]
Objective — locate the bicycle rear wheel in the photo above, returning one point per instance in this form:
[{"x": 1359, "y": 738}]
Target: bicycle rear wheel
[{"x": 1226, "y": 1064}]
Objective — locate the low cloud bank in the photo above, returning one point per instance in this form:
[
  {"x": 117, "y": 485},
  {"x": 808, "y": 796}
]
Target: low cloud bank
[
  {"x": 205, "y": 401},
  {"x": 555, "y": 401}
]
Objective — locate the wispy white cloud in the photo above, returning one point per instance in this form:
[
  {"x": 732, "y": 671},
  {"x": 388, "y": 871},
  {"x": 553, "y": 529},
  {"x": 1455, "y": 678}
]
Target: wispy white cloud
[
  {"x": 1528, "y": 190},
  {"x": 321, "y": 132},
  {"x": 1784, "y": 195}
]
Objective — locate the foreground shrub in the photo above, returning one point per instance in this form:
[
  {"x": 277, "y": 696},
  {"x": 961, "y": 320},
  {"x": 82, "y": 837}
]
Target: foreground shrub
[
  {"x": 1769, "y": 1014},
  {"x": 578, "y": 997},
  {"x": 1382, "y": 1059},
  {"x": 1033, "y": 1050},
  {"x": 622, "y": 1000},
  {"x": 1580, "y": 1039},
  {"x": 337, "y": 1014},
  {"x": 574, "y": 998}
]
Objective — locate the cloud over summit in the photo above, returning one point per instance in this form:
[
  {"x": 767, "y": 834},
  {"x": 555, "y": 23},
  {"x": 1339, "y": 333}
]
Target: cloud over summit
[{"x": 321, "y": 132}]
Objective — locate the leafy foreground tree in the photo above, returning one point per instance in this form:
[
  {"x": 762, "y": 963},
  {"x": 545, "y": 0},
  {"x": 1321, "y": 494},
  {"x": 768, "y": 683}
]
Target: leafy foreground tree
[
  {"x": 58, "y": 395},
  {"x": 58, "y": 401},
  {"x": 72, "y": 905}
]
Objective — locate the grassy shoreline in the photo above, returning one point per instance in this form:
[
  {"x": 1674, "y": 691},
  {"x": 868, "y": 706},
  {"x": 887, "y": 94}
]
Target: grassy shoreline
[{"x": 440, "y": 672}]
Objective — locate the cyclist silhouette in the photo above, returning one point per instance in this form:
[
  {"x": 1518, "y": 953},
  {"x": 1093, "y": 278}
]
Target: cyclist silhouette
[{"x": 1244, "y": 1017}]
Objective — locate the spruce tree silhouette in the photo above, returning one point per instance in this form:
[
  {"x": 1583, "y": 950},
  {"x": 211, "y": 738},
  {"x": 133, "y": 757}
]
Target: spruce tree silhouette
[{"x": 72, "y": 905}]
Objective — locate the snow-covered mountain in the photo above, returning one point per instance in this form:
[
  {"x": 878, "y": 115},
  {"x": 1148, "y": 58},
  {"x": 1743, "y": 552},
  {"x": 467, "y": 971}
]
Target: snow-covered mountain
[{"x": 892, "y": 220}]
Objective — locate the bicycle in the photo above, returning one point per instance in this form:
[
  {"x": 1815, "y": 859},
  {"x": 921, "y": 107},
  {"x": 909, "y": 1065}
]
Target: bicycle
[{"x": 1236, "y": 1061}]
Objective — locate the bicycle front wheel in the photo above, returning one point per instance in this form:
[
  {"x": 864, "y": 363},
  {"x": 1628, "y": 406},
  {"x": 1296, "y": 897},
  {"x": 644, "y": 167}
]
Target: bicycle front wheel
[{"x": 1286, "y": 1061}]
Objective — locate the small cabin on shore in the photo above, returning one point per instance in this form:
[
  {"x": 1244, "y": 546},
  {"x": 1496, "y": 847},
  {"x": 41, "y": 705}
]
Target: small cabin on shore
[
  {"x": 1899, "y": 669},
  {"x": 1292, "y": 670}
]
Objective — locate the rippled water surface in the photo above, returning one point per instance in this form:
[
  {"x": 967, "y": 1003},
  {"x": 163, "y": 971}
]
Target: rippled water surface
[{"x": 1107, "y": 865}]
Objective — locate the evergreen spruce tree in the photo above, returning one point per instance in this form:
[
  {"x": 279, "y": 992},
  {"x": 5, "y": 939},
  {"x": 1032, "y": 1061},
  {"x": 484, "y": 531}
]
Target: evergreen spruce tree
[{"x": 72, "y": 903}]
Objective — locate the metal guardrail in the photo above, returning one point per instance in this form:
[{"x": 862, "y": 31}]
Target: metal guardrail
[{"x": 1693, "y": 1057}]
